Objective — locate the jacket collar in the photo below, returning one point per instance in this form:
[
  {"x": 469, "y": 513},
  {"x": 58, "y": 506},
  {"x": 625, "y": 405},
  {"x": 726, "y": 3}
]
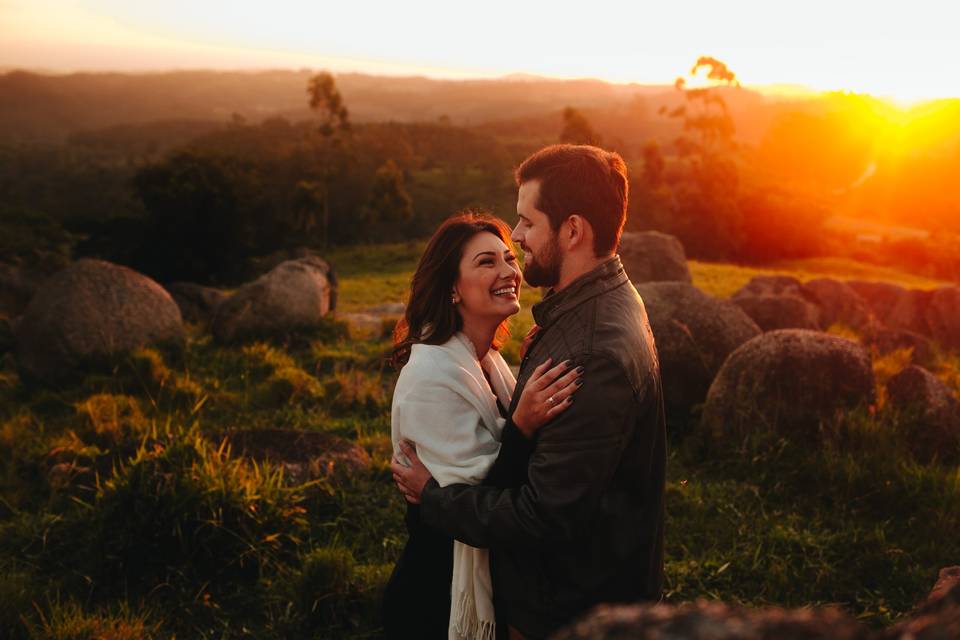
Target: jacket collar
[{"x": 607, "y": 276}]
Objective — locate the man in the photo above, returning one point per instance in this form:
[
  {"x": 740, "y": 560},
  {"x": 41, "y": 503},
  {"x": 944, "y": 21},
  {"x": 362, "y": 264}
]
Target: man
[{"x": 573, "y": 514}]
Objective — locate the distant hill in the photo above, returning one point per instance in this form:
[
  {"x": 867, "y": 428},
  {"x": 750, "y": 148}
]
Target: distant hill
[{"x": 48, "y": 108}]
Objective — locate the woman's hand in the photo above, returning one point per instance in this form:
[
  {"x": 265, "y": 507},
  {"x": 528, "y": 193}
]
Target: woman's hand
[{"x": 547, "y": 393}]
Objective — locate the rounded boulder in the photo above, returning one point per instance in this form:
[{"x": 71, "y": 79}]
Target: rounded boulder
[
  {"x": 931, "y": 409},
  {"x": 694, "y": 334},
  {"x": 943, "y": 316},
  {"x": 295, "y": 295},
  {"x": 651, "y": 256},
  {"x": 788, "y": 382},
  {"x": 88, "y": 313}
]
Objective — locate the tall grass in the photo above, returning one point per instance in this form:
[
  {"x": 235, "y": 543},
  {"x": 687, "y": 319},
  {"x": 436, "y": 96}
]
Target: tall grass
[{"x": 123, "y": 514}]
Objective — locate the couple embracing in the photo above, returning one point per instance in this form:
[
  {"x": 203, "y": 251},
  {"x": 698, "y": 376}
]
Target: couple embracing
[{"x": 531, "y": 499}]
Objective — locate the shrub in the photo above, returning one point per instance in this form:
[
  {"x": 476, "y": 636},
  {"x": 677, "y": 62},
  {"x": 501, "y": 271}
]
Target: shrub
[
  {"x": 184, "y": 513},
  {"x": 351, "y": 391},
  {"x": 112, "y": 419},
  {"x": 68, "y": 621},
  {"x": 288, "y": 385}
]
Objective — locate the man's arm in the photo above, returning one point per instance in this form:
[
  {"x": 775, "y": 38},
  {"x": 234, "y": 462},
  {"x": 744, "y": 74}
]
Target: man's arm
[{"x": 572, "y": 463}]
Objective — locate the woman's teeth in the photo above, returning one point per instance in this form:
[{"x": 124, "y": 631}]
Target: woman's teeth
[{"x": 505, "y": 290}]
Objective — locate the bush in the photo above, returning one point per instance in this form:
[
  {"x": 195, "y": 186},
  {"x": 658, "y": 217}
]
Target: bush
[
  {"x": 351, "y": 391},
  {"x": 112, "y": 419},
  {"x": 68, "y": 621},
  {"x": 181, "y": 515}
]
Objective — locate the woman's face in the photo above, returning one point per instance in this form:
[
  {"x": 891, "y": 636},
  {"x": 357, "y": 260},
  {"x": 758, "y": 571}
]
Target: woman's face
[{"x": 488, "y": 287}]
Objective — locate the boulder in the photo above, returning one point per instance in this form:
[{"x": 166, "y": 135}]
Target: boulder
[
  {"x": 910, "y": 312},
  {"x": 265, "y": 264},
  {"x": 921, "y": 394},
  {"x": 943, "y": 317},
  {"x": 787, "y": 382},
  {"x": 945, "y": 591},
  {"x": 706, "y": 620},
  {"x": 694, "y": 333},
  {"x": 304, "y": 454},
  {"x": 89, "y": 312},
  {"x": 651, "y": 256},
  {"x": 197, "y": 303},
  {"x": 881, "y": 297},
  {"x": 938, "y": 618},
  {"x": 887, "y": 340},
  {"x": 295, "y": 295},
  {"x": 771, "y": 286},
  {"x": 17, "y": 286},
  {"x": 839, "y": 303},
  {"x": 772, "y": 312}
]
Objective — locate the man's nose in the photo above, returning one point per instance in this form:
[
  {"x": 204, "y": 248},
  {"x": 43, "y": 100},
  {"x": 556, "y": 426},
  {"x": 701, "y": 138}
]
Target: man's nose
[{"x": 515, "y": 235}]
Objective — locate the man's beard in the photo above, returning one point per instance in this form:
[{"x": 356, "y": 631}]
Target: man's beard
[{"x": 544, "y": 269}]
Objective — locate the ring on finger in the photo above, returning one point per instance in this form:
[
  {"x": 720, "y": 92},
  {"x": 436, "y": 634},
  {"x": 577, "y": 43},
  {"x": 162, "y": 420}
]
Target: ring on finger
[{"x": 551, "y": 400}]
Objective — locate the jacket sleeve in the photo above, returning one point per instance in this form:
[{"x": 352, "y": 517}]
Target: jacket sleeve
[{"x": 573, "y": 461}]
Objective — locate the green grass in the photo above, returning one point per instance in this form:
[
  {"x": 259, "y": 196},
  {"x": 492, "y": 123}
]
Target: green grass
[
  {"x": 723, "y": 280},
  {"x": 122, "y": 514}
]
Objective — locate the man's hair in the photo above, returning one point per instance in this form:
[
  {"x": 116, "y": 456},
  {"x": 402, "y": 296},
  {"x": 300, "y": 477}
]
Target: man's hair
[{"x": 582, "y": 180}]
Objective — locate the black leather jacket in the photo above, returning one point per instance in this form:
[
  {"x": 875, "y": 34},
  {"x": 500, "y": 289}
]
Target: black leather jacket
[{"x": 575, "y": 516}]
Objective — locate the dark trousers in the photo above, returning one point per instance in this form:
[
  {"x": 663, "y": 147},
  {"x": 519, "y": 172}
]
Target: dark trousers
[{"x": 416, "y": 600}]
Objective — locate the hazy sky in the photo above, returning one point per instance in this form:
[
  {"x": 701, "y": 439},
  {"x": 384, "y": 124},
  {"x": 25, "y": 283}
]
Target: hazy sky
[{"x": 904, "y": 49}]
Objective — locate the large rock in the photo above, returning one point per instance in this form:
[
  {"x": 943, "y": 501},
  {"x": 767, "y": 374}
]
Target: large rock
[
  {"x": 943, "y": 317},
  {"x": 651, "y": 256},
  {"x": 197, "y": 303},
  {"x": 777, "y": 302},
  {"x": 772, "y": 312},
  {"x": 888, "y": 340},
  {"x": 881, "y": 297},
  {"x": 293, "y": 296},
  {"x": 694, "y": 333},
  {"x": 788, "y": 381},
  {"x": 88, "y": 312},
  {"x": 265, "y": 264},
  {"x": 938, "y": 618},
  {"x": 703, "y": 620},
  {"x": 839, "y": 303},
  {"x": 910, "y": 312},
  {"x": 17, "y": 286},
  {"x": 771, "y": 286},
  {"x": 924, "y": 397}
]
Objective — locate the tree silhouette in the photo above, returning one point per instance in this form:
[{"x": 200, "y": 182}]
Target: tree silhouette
[
  {"x": 326, "y": 101},
  {"x": 577, "y": 129},
  {"x": 390, "y": 207}
]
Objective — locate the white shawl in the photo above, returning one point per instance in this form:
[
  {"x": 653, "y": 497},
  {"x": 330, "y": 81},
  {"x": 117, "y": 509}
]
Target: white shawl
[{"x": 443, "y": 403}]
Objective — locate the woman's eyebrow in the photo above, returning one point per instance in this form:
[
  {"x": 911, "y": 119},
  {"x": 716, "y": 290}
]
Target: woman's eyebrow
[{"x": 482, "y": 253}]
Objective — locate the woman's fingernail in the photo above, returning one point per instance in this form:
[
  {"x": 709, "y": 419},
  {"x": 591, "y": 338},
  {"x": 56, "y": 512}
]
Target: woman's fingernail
[
  {"x": 579, "y": 382},
  {"x": 580, "y": 369}
]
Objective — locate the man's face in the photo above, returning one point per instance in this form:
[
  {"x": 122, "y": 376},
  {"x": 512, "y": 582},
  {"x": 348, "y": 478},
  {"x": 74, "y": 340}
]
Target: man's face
[{"x": 542, "y": 260}]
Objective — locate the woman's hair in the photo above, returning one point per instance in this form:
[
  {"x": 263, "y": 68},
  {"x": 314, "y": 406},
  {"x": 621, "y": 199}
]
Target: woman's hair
[{"x": 431, "y": 317}]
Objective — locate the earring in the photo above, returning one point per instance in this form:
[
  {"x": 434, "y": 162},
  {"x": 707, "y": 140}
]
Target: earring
[{"x": 454, "y": 299}]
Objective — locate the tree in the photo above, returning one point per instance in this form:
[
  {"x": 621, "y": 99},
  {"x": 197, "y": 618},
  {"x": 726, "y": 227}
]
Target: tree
[
  {"x": 199, "y": 218},
  {"x": 390, "y": 209},
  {"x": 325, "y": 99},
  {"x": 577, "y": 129}
]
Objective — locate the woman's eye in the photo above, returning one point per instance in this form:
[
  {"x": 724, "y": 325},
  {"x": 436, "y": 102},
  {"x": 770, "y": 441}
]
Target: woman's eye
[
  {"x": 511, "y": 258},
  {"x": 486, "y": 262}
]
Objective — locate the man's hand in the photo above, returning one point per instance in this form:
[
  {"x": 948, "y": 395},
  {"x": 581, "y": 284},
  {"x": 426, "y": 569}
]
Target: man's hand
[{"x": 410, "y": 480}]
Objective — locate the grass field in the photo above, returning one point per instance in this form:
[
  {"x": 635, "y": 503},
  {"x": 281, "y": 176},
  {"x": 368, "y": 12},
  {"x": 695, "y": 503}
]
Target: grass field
[{"x": 124, "y": 514}]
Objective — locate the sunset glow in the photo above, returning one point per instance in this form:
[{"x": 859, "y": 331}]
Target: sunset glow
[{"x": 865, "y": 47}]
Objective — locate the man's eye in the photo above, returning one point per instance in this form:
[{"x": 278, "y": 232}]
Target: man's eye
[{"x": 511, "y": 258}]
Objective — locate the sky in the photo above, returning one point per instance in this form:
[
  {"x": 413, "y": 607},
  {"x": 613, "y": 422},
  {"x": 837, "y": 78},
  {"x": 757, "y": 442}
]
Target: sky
[{"x": 902, "y": 50}]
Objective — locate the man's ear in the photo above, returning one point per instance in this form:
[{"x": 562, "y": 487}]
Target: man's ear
[{"x": 575, "y": 231}]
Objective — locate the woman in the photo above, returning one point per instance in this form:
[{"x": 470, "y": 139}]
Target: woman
[{"x": 451, "y": 399}]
